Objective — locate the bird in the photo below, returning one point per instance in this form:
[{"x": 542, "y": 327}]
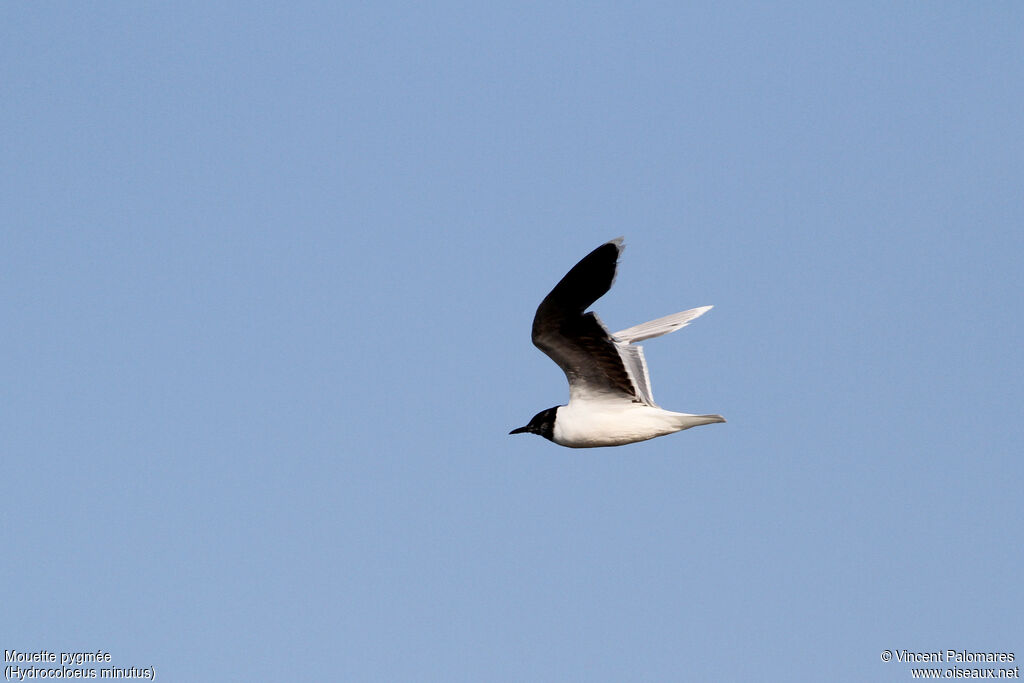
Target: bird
[{"x": 610, "y": 398}]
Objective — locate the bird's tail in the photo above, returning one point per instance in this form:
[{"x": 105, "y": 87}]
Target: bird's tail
[
  {"x": 656, "y": 328},
  {"x": 686, "y": 421}
]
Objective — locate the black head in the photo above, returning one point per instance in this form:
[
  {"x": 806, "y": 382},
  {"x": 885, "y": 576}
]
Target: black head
[{"x": 543, "y": 423}]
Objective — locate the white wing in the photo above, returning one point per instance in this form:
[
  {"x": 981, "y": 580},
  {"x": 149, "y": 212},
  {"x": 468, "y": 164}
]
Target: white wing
[
  {"x": 633, "y": 355},
  {"x": 660, "y": 326},
  {"x": 633, "y": 358}
]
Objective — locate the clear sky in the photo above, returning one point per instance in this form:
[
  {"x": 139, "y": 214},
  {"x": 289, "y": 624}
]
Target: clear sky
[{"x": 268, "y": 273}]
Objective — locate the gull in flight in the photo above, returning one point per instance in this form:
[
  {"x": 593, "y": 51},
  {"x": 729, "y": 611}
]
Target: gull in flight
[{"x": 610, "y": 400}]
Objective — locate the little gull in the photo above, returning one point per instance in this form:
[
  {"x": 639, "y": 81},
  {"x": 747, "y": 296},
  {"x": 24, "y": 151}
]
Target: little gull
[{"x": 610, "y": 399}]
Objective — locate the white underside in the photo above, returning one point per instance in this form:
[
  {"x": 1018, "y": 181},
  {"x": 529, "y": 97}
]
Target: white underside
[{"x": 588, "y": 424}]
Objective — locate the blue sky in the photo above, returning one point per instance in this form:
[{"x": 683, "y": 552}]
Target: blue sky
[{"x": 269, "y": 273}]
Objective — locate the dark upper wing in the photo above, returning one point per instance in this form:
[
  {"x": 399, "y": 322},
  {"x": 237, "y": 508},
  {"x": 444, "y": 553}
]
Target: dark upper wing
[{"x": 578, "y": 342}]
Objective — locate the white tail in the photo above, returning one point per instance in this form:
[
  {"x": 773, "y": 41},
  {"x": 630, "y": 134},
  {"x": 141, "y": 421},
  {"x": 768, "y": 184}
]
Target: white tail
[
  {"x": 687, "y": 421},
  {"x": 656, "y": 328}
]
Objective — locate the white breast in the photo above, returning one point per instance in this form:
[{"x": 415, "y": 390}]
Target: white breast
[{"x": 586, "y": 424}]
